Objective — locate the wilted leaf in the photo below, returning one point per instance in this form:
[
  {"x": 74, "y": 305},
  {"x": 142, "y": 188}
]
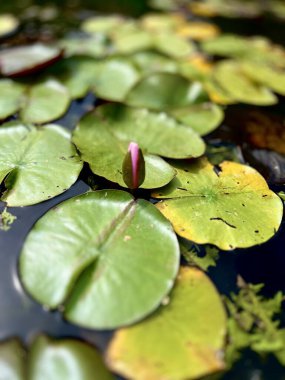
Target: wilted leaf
[
  {"x": 202, "y": 118},
  {"x": 46, "y": 101},
  {"x": 233, "y": 204},
  {"x": 11, "y": 96},
  {"x": 100, "y": 273},
  {"x": 35, "y": 164},
  {"x": 163, "y": 91},
  {"x": 24, "y": 60},
  {"x": 230, "y": 77},
  {"x": 183, "y": 340}
]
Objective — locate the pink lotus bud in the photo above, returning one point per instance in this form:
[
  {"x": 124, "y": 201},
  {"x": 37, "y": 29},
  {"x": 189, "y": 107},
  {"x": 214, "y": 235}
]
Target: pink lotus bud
[{"x": 133, "y": 167}]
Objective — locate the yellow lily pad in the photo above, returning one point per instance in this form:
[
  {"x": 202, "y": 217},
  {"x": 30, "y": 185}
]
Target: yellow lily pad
[{"x": 184, "y": 339}]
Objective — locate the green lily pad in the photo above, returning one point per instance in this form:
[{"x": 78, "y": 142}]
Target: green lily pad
[
  {"x": 77, "y": 74},
  {"x": 151, "y": 61},
  {"x": 162, "y": 22},
  {"x": 12, "y": 356},
  {"x": 95, "y": 46},
  {"x": 11, "y": 97},
  {"x": 115, "y": 77},
  {"x": 202, "y": 118},
  {"x": 24, "y": 60},
  {"x": 234, "y": 205},
  {"x": 8, "y": 25},
  {"x": 118, "y": 241},
  {"x": 164, "y": 91},
  {"x": 103, "y": 137},
  {"x": 230, "y": 77},
  {"x": 131, "y": 40},
  {"x": 183, "y": 340},
  {"x": 36, "y": 164},
  {"x": 265, "y": 75},
  {"x": 102, "y": 24},
  {"x": 65, "y": 359},
  {"x": 174, "y": 46},
  {"x": 46, "y": 101},
  {"x": 257, "y": 49}
]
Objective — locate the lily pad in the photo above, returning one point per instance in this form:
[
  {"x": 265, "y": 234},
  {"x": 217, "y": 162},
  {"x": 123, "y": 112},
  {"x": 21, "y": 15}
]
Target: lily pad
[
  {"x": 36, "y": 164},
  {"x": 151, "y": 61},
  {"x": 162, "y": 22},
  {"x": 163, "y": 91},
  {"x": 183, "y": 340},
  {"x": 233, "y": 204},
  {"x": 116, "y": 76},
  {"x": 103, "y": 137},
  {"x": 11, "y": 97},
  {"x": 46, "y": 101},
  {"x": 12, "y": 356},
  {"x": 24, "y": 60},
  {"x": 8, "y": 25},
  {"x": 65, "y": 359},
  {"x": 77, "y": 74},
  {"x": 202, "y": 118},
  {"x": 230, "y": 77},
  {"x": 173, "y": 46},
  {"x": 266, "y": 75},
  {"x": 102, "y": 24},
  {"x": 88, "y": 271},
  {"x": 198, "y": 30},
  {"x": 133, "y": 40}
]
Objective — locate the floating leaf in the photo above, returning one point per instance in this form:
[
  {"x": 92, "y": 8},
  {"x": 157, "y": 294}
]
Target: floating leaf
[
  {"x": 77, "y": 74},
  {"x": 24, "y": 60},
  {"x": 202, "y": 118},
  {"x": 198, "y": 30},
  {"x": 233, "y": 204},
  {"x": 151, "y": 61},
  {"x": 266, "y": 75},
  {"x": 115, "y": 78},
  {"x": 230, "y": 77},
  {"x": 163, "y": 91},
  {"x": 65, "y": 359},
  {"x": 258, "y": 49},
  {"x": 46, "y": 101},
  {"x": 174, "y": 46},
  {"x": 131, "y": 41},
  {"x": 162, "y": 22},
  {"x": 216, "y": 93},
  {"x": 96, "y": 46},
  {"x": 102, "y": 24},
  {"x": 8, "y": 25},
  {"x": 103, "y": 137},
  {"x": 12, "y": 360},
  {"x": 118, "y": 242},
  {"x": 11, "y": 96},
  {"x": 35, "y": 164},
  {"x": 183, "y": 340}
]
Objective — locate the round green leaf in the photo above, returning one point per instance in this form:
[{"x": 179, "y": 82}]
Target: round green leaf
[
  {"x": 108, "y": 258},
  {"x": 46, "y": 101},
  {"x": 65, "y": 359},
  {"x": 202, "y": 118},
  {"x": 77, "y": 74},
  {"x": 8, "y": 25},
  {"x": 230, "y": 77},
  {"x": 266, "y": 75},
  {"x": 101, "y": 24},
  {"x": 96, "y": 46},
  {"x": 183, "y": 340},
  {"x": 12, "y": 356},
  {"x": 24, "y": 60},
  {"x": 234, "y": 205},
  {"x": 132, "y": 40},
  {"x": 173, "y": 45},
  {"x": 36, "y": 164},
  {"x": 163, "y": 91},
  {"x": 103, "y": 137},
  {"x": 115, "y": 78},
  {"x": 151, "y": 61},
  {"x": 11, "y": 97}
]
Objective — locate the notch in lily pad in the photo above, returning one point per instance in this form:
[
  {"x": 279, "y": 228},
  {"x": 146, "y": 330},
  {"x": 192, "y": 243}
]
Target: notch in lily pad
[{"x": 133, "y": 167}]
